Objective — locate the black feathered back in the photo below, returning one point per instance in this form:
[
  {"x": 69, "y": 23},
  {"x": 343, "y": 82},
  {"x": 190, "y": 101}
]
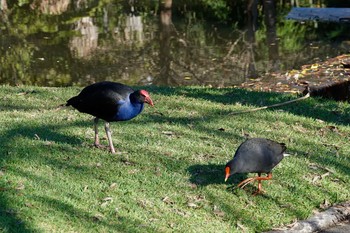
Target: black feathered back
[
  {"x": 257, "y": 155},
  {"x": 101, "y": 99}
]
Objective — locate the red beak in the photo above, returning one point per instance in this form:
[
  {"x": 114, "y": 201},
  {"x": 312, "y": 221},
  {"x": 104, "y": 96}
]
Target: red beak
[
  {"x": 227, "y": 171},
  {"x": 149, "y": 101}
]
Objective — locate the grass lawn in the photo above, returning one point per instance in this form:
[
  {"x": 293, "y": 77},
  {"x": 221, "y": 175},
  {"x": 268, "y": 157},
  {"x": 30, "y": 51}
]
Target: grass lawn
[{"x": 168, "y": 173}]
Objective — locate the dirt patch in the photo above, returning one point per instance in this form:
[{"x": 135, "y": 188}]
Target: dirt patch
[{"x": 327, "y": 73}]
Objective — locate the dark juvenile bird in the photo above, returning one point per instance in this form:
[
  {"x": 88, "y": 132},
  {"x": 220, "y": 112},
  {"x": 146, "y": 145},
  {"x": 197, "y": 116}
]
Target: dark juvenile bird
[
  {"x": 110, "y": 102},
  {"x": 255, "y": 155}
]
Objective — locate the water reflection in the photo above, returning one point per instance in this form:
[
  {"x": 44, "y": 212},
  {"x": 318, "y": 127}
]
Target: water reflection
[
  {"x": 50, "y": 7},
  {"x": 80, "y": 42},
  {"x": 85, "y": 43}
]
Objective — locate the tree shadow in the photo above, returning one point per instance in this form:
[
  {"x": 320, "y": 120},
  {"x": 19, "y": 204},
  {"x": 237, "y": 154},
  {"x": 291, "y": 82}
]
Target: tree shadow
[
  {"x": 201, "y": 175},
  {"x": 9, "y": 219},
  {"x": 123, "y": 224},
  {"x": 324, "y": 110},
  {"x": 208, "y": 174},
  {"x": 46, "y": 133}
]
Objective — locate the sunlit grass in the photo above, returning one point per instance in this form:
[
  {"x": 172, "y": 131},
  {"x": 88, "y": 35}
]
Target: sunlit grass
[{"x": 168, "y": 174}]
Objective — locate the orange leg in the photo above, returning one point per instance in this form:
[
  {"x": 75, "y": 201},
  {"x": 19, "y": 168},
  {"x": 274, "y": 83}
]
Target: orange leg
[
  {"x": 245, "y": 182},
  {"x": 252, "y": 179}
]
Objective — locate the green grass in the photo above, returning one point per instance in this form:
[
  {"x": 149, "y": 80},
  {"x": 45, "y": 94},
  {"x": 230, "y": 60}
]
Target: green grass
[{"x": 168, "y": 175}]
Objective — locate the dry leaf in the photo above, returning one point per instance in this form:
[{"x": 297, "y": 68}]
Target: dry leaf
[
  {"x": 182, "y": 213},
  {"x": 316, "y": 178},
  {"x": 120, "y": 152},
  {"x": 48, "y": 143},
  {"x": 240, "y": 225},
  {"x": 113, "y": 185},
  {"x": 325, "y": 204},
  {"x": 107, "y": 199},
  {"x": 168, "y": 133},
  {"x": 290, "y": 225},
  {"x": 20, "y": 187},
  {"x": 167, "y": 200},
  {"x": 26, "y": 92},
  {"x": 133, "y": 171},
  {"x": 320, "y": 121},
  {"x": 104, "y": 204},
  {"x": 314, "y": 66},
  {"x": 30, "y": 205},
  {"x": 127, "y": 162},
  {"x": 98, "y": 217},
  {"x": 192, "y": 205},
  {"x": 218, "y": 212},
  {"x": 325, "y": 174}
]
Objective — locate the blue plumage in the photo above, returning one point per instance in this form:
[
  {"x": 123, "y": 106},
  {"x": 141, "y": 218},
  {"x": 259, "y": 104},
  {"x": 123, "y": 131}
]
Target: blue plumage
[
  {"x": 110, "y": 101},
  {"x": 128, "y": 110}
]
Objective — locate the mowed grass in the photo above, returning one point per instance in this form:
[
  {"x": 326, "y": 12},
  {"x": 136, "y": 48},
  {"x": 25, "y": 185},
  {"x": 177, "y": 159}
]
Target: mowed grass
[{"x": 168, "y": 173}]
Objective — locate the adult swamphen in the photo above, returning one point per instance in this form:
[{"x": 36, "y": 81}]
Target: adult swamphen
[
  {"x": 110, "y": 101},
  {"x": 255, "y": 155}
]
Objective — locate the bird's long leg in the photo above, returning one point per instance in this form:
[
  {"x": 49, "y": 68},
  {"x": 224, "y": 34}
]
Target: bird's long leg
[
  {"x": 252, "y": 179},
  {"x": 97, "y": 140},
  {"x": 109, "y": 137},
  {"x": 259, "y": 179},
  {"x": 245, "y": 182}
]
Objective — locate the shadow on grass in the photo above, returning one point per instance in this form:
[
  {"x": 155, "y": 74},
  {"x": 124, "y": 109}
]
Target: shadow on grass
[
  {"x": 201, "y": 175},
  {"x": 68, "y": 160},
  {"x": 120, "y": 224},
  {"x": 212, "y": 174},
  {"x": 322, "y": 109},
  {"x": 9, "y": 220},
  {"x": 204, "y": 175}
]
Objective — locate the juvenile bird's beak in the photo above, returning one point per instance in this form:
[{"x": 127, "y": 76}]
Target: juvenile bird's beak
[
  {"x": 227, "y": 172},
  {"x": 149, "y": 101}
]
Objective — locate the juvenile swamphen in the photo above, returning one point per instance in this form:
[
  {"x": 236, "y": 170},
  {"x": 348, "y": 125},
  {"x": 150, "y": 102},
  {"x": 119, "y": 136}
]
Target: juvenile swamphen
[
  {"x": 110, "y": 101},
  {"x": 255, "y": 155}
]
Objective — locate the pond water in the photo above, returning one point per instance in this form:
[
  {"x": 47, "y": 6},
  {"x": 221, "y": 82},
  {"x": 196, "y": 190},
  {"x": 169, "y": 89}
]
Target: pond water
[{"x": 62, "y": 43}]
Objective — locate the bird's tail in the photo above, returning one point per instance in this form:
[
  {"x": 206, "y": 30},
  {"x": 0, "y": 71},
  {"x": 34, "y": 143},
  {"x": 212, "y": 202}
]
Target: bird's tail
[
  {"x": 284, "y": 147},
  {"x": 286, "y": 155}
]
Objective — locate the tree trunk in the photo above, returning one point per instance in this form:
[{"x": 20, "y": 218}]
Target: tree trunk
[
  {"x": 271, "y": 34},
  {"x": 165, "y": 34},
  {"x": 3, "y": 5},
  {"x": 252, "y": 19}
]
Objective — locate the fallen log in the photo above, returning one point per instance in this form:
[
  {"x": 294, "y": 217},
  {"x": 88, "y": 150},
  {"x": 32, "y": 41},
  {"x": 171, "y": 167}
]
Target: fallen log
[{"x": 339, "y": 91}]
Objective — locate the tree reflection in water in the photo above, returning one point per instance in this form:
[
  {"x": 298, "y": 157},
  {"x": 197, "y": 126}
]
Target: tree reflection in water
[{"x": 149, "y": 42}]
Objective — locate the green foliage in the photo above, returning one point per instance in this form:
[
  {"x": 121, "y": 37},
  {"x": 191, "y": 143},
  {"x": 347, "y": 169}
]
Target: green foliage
[
  {"x": 220, "y": 8},
  {"x": 292, "y": 36},
  {"x": 168, "y": 173}
]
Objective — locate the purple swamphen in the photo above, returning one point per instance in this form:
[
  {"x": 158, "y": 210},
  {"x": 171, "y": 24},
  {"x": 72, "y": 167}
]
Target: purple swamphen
[
  {"x": 255, "y": 155},
  {"x": 110, "y": 101}
]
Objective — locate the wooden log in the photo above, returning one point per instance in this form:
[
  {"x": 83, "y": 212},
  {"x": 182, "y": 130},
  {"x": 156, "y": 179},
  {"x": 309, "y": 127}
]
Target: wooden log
[{"x": 339, "y": 91}]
